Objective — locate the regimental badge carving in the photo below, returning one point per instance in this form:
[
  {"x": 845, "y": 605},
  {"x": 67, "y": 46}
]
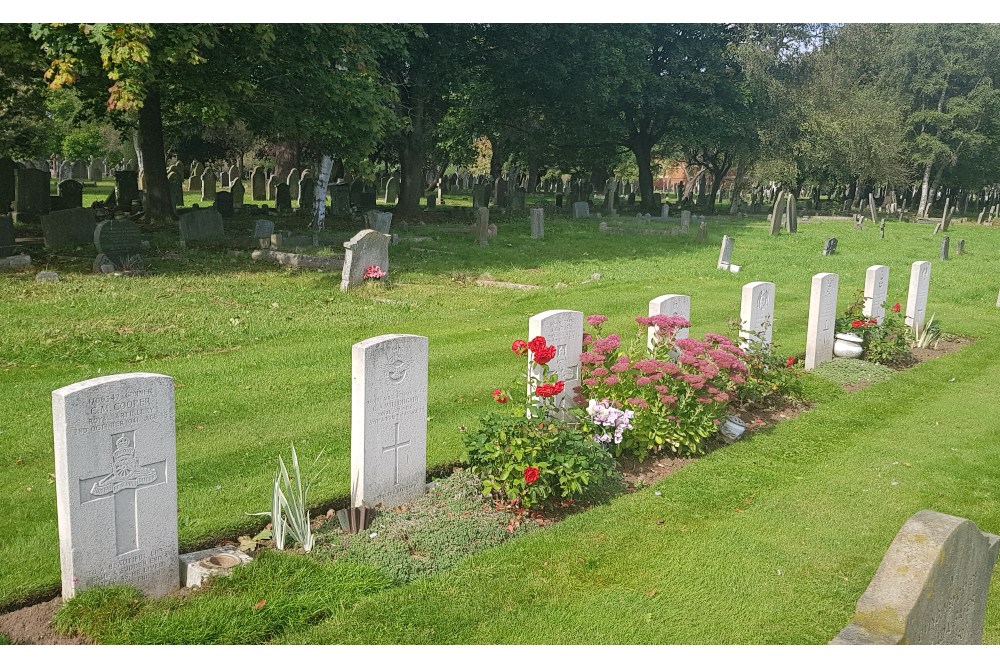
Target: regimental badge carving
[
  {"x": 126, "y": 473},
  {"x": 395, "y": 367}
]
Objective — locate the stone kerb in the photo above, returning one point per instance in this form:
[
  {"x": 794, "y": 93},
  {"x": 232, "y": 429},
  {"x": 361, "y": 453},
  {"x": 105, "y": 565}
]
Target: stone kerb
[
  {"x": 930, "y": 587},
  {"x": 673, "y": 305},
  {"x": 562, "y": 329},
  {"x": 366, "y": 248},
  {"x": 388, "y": 420},
  {"x": 116, "y": 483},
  {"x": 822, "y": 319}
]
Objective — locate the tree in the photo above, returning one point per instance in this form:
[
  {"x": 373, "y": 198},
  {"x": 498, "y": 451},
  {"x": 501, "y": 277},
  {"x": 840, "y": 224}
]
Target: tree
[{"x": 26, "y": 131}]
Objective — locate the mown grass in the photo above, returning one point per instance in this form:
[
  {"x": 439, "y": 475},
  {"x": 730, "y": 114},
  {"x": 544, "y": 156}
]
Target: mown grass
[{"x": 261, "y": 356}]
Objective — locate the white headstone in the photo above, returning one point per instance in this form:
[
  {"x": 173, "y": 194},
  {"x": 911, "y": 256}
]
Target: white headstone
[
  {"x": 564, "y": 330},
  {"x": 366, "y": 248},
  {"x": 916, "y": 297},
  {"x": 665, "y": 211},
  {"x": 674, "y": 305},
  {"x": 388, "y": 420},
  {"x": 822, "y": 319},
  {"x": 116, "y": 483},
  {"x": 725, "y": 254},
  {"x": 756, "y": 313},
  {"x": 876, "y": 289}
]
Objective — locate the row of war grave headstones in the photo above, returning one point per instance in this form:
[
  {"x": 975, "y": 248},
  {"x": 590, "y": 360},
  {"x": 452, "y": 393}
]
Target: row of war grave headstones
[{"x": 116, "y": 470}]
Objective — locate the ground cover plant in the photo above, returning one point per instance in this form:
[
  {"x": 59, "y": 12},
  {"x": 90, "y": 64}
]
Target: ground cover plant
[{"x": 258, "y": 369}]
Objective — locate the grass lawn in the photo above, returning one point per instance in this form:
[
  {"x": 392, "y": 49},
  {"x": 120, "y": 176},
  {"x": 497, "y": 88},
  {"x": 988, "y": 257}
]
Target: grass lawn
[{"x": 261, "y": 357}]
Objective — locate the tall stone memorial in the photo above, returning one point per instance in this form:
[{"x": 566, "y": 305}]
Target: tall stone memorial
[
  {"x": 208, "y": 186},
  {"x": 116, "y": 483},
  {"x": 562, "y": 329},
  {"x": 757, "y": 314},
  {"x": 126, "y": 188},
  {"x": 388, "y": 420},
  {"x": 822, "y": 319},
  {"x": 672, "y": 305},
  {"x": 876, "y": 290},
  {"x": 916, "y": 297},
  {"x": 537, "y": 223}
]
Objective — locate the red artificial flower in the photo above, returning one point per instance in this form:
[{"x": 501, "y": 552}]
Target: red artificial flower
[
  {"x": 857, "y": 324},
  {"x": 537, "y": 343},
  {"x": 499, "y": 396},
  {"x": 530, "y": 475},
  {"x": 545, "y": 355},
  {"x": 895, "y": 308},
  {"x": 519, "y": 347},
  {"x": 790, "y": 362}
]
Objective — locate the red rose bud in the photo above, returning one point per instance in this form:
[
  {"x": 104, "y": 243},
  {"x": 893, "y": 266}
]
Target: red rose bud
[
  {"x": 499, "y": 396},
  {"x": 857, "y": 324},
  {"x": 530, "y": 475},
  {"x": 519, "y": 347},
  {"x": 790, "y": 363},
  {"x": 895, "y": 308}
]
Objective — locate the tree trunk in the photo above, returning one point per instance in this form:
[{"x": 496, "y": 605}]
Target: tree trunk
[
  {"x": 497, "y": 158},
  {"x": 411, "y": 177},
  {"x": 643, "y": 152},
  {"x": 530, "y": 185},
  {"x": 734, "y": 202},
  {"x": 319, "y": 194},
  {"x": 158, "y": 203}
]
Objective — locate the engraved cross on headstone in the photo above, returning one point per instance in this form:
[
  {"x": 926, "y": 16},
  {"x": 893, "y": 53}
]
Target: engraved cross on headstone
[
  {"x": 570, "y": 369},
  {"x": 126, "y": 477},
  {"x": 394, "y": 448}
]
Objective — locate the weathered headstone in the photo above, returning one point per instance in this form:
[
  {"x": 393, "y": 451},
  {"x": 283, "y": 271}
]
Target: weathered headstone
[
  {"x": 961, "y": 246},
  {"x": 175, "y": 182},
  {"x": 119, "y": 241},
  {"x": 830, "y": 247},
  {"x": 95, "y": 170},
  {"x": 876, "y": 289},
  {"x": 777, "y": 213},
  {"x": 224, "y": 179},
  {"x": 562, "y": 329},
  {"x": 581, "y": 209},
  {"x": 537, "y": 223},
  {"x": 822, "y": 319},
  {"x": 366, "y": 248},
  {"x": 481, "y": 225},
  {"x": 665, "y": 212},
  {"x": 340, "y": 199},
  {"x": 282, "y": 197},
  {"x": 916, "y": 297},
  {"x": 69, "y": 228},
  {"x": 203, "y": 224},
  {"x": 293, "y": 184},
  {"x": 673, "y": 305},
  {"x": 725, "y": 253},
  {"x": 31, "y": 194},
  {"x": 258, "y": 185},
  {"x": 234, "y": 174},
  {"x": 263, "y": 229},
  {"x": 78, "y": 170},
  {"x": 70, "y": 193},
  {"x": 392, "y": 191},
  {"x": 388, "y": 420},
  {"x": 931, "y": 586},
  {"x": 126, "y": 188},
  {"x": 382, "y": 221},
  {"x": 224, "y": 203},
  {"x": 792, "y": 211},
  {"x": 307, "y": 192},
  {"x": 431, "y": 199},
  {"x": 116, "y": 483},
  {"x": 238, "y": 193},
  {"x": 208, "y": 186},
  {"x": 6, "y": 236},
  {"x": 945, "y": 245},
  {"x": 7, "y": 169},
  {"x": 702, "y": 232},
  {"x": 757, "y": 314}
]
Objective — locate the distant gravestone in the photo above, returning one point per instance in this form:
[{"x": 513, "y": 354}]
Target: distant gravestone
[
  {"x": 686, "y": 222},
  {"x": 725, "y": 253},
  {"x": 381, "y": 221},
  {"x": 581, "y": 209},
  {"x": 792, "y": 211},
  {"x": 340, "y": 199},
  {"x": 945, "y": 245},
  {"x": 78, "y": 170},
  {"x": 388, "y": 420},
  {"x": 69, "y": 228},
  {"x": 263, "y": 229},
  {"x": 126, "y": 188},
  {"x": 481, "y": 225},
  {"x": 224, "y": 179},
  {"x": 777, "y": 213},
  {"x": 822, "y": 319},
  {"x": 116, "y": 483},
  {"x": 95, "y": 170},
  {"x": 31, "y": 195},
  {"x": 7, "y": 169},
  {"x": 702, "y": 232},
  {"x": 6, "y": 236},
  {"x": 175, "y": 182},
  {"x": 916, "y": 297},
  {"x": 238, "y": 194},
  {"x": 293, "y": 184},
  {"x": 70, "y": 193},
  {"x": 366, "y": 248},
  {"x": 665, "y": 211},
  {"x": 537, "y": 223},
  {"x": 234, "y": 174},
  {"x": 757, "y": 314},
  {"x": 224, "y": 203},
  {"x": 201, "y": 225},
  {"x": 876, "y": 290},
  {"x": 672, "y": 305},
  {"x": 258, "y": 184},
  {"x": 307, "y": 192},
  {"x": 392, "y": 191},
  {"x": 479, "y": 196},
  {"x": 354, "y": 189},
  {"x": 432, "y": 199},
  {"x": 961, "y": 246},
  {"x": 562, "y": 329},
  {"x": 930, "y": 588},
  {"x": 208, "y": 186},
  {"x": 282, "y": 197},
  {"x": 119, "y": 241},
  {"x": 830, "y": 247}
]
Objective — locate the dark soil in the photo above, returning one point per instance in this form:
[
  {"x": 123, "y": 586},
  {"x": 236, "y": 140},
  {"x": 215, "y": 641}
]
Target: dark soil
[{"x": 33, "y": 625}]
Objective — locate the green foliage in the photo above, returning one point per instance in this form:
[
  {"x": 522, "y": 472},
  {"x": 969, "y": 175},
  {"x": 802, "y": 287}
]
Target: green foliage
[
  {"x": 290, "y": 504},
  {"x": 507, "y": 451},
  {"x": 852, "y": 371},
  {"x": 770, "y": 376},
  {"x": 887, "y": 342},
  {"x": 929, "y": 335}
]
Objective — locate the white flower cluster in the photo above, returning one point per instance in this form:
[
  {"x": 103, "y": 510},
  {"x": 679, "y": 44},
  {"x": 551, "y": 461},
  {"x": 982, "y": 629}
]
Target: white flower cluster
[{"x": 602, "y": 413}]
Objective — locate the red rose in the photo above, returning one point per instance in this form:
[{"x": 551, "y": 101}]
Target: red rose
[
  {"x": 895, "y": 308},
  {"x": 547, "y": 390},
  {"x": 519, "y": 347},
  {"x": 559, "y": 387},
  {"x": 857, "y": 324},
  {"x": 499, "y": 396},
  {"x": 537, "y": 343},
  {"x": 530, "y": 475},
  {"x": 790, "y": 362},
  {"x": 872, "y": 322},
  {"x": 545, "y": 355}
]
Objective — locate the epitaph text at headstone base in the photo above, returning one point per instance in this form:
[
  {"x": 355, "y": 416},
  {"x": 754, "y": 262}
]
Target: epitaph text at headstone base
[
  {"x": 930, "y": 588},
  {"x": 118, "y": 240},
  {"x": 916, "y": 296},
  {"x": 757, "y": 314},
  {"x": 822, "y": 325},
  {"x": 672, "y": 305},
  {"x": 116, "y": 483},
  {"x": 366, "y": 248},
  {"x": 388, "y": 420},
  {"x": 876, "y": 290},
  {"x": 562, "y": 329}
]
